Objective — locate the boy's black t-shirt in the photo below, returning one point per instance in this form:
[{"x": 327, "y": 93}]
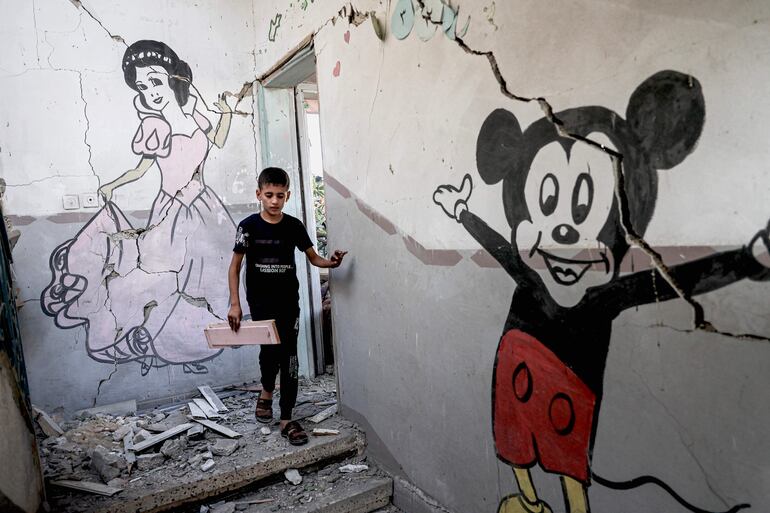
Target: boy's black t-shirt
[{"x": 272, "y": 288}]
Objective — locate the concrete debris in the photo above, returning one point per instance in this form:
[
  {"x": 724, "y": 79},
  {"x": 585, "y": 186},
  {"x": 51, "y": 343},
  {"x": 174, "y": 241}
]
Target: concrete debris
[
  {"x": 117, "y": 483},
  {"x": 325, "y": 432},
  {"x": 353, "y": 469},
  {"x": 123, "y": 451},
  {"x": 122, "y": 431},
  {"x": 206, "y": 408},
  {"x": 49, "y": 426},
  {"x": 213, "y": 399},
  {"x": 170, "y": 422},
  {"x": 218, "y": 428},
  {"x": 224, "y": 447},
  {"x": 108, "y": 465},
  {"x": 292, "y": 476},
  {"x": 150, "y": 461},
  {"x": 204, "y": 509},
  {"x": 141, "y": 436},
  {"x": 121, "y": 408},
  {"x": 174, "y": 448},
  {"x": 87, "y": 486},
  {"x": 153, "y": 440},
  {"x": 322, "y": 416},
  {"x": 195, "y": 411},
  {"x": 196, "y": 432}
]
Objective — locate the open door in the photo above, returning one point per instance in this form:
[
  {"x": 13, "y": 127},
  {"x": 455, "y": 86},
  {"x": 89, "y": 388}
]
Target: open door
[{"x": 290, "y": 139}]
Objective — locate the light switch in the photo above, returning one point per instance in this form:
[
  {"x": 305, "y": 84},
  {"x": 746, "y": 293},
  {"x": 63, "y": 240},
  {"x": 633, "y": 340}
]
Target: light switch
[{"x": 70, "y": 202}]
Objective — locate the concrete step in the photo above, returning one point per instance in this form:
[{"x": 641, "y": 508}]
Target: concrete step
[{"x": 325, "y": 490}]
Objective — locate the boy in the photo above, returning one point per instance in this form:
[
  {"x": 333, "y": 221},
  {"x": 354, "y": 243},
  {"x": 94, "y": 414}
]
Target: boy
[{"x": 268, "y": 239}]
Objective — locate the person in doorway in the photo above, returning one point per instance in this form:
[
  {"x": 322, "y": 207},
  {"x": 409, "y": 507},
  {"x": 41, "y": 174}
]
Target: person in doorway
[{"x": 268, "y": 239}]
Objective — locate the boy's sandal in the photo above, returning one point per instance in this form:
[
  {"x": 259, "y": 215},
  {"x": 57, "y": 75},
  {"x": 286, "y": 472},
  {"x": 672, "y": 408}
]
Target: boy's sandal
[
  {"x": 264, "y": 411},
  {"x": 294, "y": 433}
]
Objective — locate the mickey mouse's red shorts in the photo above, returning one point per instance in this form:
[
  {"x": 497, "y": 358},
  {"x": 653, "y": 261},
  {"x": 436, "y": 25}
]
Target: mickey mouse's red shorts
[{"x": 542, "y": 411}]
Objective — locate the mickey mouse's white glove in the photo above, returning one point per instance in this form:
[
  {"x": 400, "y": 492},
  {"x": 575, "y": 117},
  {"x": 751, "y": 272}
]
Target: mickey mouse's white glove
[
  {"x": 454, "y": 201},
  {"x": 760, "y": 246}
]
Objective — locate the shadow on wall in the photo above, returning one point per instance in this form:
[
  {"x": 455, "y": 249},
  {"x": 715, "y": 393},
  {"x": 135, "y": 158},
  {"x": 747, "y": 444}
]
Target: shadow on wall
[
  {"x": 558, "y": 195},
  {"x": 140, "y": 292}
]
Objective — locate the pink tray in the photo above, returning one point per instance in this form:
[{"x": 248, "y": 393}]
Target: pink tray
[{"x": 250, "y": 333}]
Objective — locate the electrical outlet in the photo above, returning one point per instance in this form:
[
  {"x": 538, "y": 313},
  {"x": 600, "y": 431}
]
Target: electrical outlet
[
  {"x": 70, "y": 202},
  {"x": 89, "y": 200}
]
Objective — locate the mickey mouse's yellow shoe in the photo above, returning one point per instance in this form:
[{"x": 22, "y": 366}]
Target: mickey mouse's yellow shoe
[{"x": 518, "y": 504}]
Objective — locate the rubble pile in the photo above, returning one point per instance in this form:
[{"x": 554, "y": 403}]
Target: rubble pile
[{"x": 111, "y": 453}]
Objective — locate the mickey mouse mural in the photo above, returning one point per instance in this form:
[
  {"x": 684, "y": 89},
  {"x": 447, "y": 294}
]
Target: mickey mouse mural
[{"x": 558, "y": 197}]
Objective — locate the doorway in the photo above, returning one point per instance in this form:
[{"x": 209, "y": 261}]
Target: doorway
[{"x": 290, "y": 136}]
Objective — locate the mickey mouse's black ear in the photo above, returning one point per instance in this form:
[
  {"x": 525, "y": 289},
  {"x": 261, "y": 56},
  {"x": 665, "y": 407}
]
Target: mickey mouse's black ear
[
  {"x": 497, "y": 145},
  {"x": 667, "y": 112}
]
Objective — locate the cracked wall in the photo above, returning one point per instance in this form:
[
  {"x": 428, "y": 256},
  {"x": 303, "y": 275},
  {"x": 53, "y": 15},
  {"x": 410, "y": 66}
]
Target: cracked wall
[
  {"x": 121, "y": 290},
  {"x": 402, "y": 115}
]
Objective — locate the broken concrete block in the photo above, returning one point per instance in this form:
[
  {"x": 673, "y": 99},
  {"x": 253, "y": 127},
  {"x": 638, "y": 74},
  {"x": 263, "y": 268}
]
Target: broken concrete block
[
  {"x": 170, "y": 422},
  {"x": 196, "y": 432},
  {"x": 353, "y": 469},
  {"x": 122, "y": 431},
  {"x": 122, "y": 408},
  {"x": 207, "y": 455},
  {"x": 153, "y": 440},
  {"x": 174, "y": 448},
  {"x": 292, "y": 475},
  {"x": 87, "y": 486},
  {"x": 150, "y": 461},
  {"x": 323, "y": 415},
  {"x": 207, "y": 465},
  {"x": 265, "y": 430},
  {"x": 213, "y": 399},
  {"x": 224, "y": 447},
  {"x": 325, "y": 432},
  {"x": 194, "y": 460},
  {"x": 158, "y": 417},
  {"x": 141, "y": 436},
  {"x": 46, "y": 423},
  {"x": 107, "y": 464},
  {"x": 224, "y": 430}
]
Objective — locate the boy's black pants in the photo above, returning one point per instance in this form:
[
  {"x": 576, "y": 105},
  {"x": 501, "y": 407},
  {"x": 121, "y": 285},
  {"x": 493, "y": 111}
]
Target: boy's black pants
[{"x": 283, "y": 357}]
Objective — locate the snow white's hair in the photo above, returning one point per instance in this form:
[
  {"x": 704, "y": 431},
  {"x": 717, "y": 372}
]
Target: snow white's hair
[{"x": 153, "y": 53}]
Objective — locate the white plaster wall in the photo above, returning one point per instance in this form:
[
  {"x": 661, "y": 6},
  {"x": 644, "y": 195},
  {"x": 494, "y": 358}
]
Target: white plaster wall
[
  {"x": 416, "y": 342},
  {"x": 67, "y": 124}
]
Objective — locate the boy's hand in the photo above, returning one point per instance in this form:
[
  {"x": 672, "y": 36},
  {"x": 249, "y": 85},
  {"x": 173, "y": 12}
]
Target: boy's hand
[
  {"x": 234, "y": 317},
  {"x": 336, "y": 258}
]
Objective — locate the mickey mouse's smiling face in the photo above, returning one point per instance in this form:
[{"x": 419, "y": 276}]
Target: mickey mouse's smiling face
[{"x": 569, "y": 192}]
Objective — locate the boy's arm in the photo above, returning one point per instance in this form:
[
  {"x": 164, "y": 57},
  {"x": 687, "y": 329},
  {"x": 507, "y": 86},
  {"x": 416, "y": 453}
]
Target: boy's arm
[
  {"x": 319, "y": 261},
  {"x": 235, "y": 314}
]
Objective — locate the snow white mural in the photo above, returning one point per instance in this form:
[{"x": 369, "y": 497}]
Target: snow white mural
[{"x": 139, "y": 291}]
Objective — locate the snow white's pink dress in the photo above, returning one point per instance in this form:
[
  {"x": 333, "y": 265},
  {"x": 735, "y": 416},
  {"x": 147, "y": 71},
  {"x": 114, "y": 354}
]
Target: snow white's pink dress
[{"x": 146, "y": 294}]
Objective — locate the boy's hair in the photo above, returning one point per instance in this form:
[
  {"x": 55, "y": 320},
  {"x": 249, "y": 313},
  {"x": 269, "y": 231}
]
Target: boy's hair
[{"x": 273, "y": 176}]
